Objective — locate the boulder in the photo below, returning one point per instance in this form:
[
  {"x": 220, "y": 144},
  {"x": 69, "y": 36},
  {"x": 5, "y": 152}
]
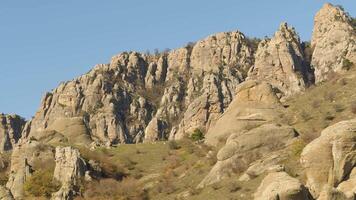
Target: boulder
[
  {"x": 280, "y": 186},
  {"x": 329, "y": 159}
]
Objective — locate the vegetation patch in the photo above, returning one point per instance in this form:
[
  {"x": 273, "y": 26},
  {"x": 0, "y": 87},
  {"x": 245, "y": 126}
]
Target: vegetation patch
[{"x": 41, "y": 184}]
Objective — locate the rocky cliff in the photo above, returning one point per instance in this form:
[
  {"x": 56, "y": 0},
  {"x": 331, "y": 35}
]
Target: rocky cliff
[
  {"x": 140, "y": 97},
  {"x": 233, "y": 90},
  {"x": 333, "y": 42}
]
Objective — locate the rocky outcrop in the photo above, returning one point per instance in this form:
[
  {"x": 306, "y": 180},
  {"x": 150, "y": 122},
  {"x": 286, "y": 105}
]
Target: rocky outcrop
[
  {"x": 10, "y": 131},
  {"x": 330, "y": 159},
  {"x": 280, "y": 62},
  {"x": 27, "y": 157},
  {"x": 123, "y": 101},
  {"x": 243, "y": 148},
  {"x": 70, "y": 167},
  {"x": 250, "y": 129},
  {"x": 281, "y": 186},
  {"x": 333, "y": 41},
  {"x": 254, "y": 104}
]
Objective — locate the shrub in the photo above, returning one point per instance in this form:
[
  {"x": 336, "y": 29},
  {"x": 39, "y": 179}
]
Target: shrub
[
  {"x": 216, "y": 186},
  {"x": 329, "y": 116},
  {"x": 316, "y": 103},
  {"x": 338, "y": 108},
  {"x": 173, "y": 145},
  {"x": 330, "y": 96},
  {"x": 41, "y": 183},
  {"x": 234, "y": 187},
  {"x": 306, "y": 116},
  {"x": 346, "y": 64},
  {"x": 353, "y": 23},
  {"x": 197, "y": 135}
]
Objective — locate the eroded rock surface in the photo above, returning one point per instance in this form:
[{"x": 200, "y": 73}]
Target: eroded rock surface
[
  {"x": 27, "y": 157},
  {"x": 280, "y": 186},
  {"x": 120, "y": 102},
  {"x": 10, "y": 131},
  {"x": 330, "y": 159},
  {"x": 333, "y": 41},
  {"x": 70, "y": 167},
  {"x": 280, "y": 61},
  {"x": 250, "y": 129}
]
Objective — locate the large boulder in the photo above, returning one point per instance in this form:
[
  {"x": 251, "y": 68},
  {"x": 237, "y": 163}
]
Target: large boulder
[
  {"x": 280, "y": 61},
  {"x": 280, "y": 186},
  {"x": 329, "y": 159},
  {"x": 333, "y": 41}
]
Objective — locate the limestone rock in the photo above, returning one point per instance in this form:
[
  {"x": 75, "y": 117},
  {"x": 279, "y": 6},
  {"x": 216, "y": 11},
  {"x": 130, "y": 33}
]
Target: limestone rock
[
  {"x": 333, "y": 41},
  {"x": 254, "y": 104},
  {"x": 70, "y": 167},
  {"x": 222, "y": 49},
  {"x": 329, "y": 159},
  {"x": 348, "y": 187},
  {"x": 280, "y": 62},
  {"x": 154, "y": 130},
  {"x": 243, "y": 148},
  {"x": 270, "y": 163},
  {"x": 26, "y": 157},
  {"x": 10, "y": 131},
  {"x": 280, "y": 186}
]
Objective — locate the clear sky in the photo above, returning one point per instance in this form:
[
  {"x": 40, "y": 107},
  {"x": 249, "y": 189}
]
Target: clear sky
[{"x": 44, "y": 42}]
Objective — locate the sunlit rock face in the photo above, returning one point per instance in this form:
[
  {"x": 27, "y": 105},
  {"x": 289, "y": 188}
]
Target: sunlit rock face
[{"x": 333, "y": 41}]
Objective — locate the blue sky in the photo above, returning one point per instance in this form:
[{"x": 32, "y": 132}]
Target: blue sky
[{"x": 45, "y": 42}]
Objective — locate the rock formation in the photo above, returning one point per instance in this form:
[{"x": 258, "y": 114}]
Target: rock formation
[
  {"x": 280, "y": 61},
  {"x": 232, "y": 91},
  {"x": 10, "y": 131},
  {"x": 120, "y": 102},
  {"x": 330, "y": 159},
  {"x": 251, "y": 129},
  {"x": 281, "y": 186},
  {"x": 70, "y": 167},
  {"x": 333, "y": 41},
  {"x": 27, "y": 157}
]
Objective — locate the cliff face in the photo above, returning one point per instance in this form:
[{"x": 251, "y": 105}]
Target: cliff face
[
  {"x": 281, "y": 62},
  {"x": 333, "y": 41},
  {"x": 235, "y": 93},
  {"x": 114, "y": 103},
  {"x": 140, "y": 97}
]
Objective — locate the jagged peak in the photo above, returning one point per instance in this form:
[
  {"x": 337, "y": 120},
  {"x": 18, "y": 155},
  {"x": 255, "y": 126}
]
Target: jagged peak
[
  {"x": 287, "y": 32},
  {"x": 332, "y": 13}
]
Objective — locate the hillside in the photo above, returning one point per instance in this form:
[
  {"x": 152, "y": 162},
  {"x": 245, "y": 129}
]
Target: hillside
[{"x": 227, "y": 117}]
